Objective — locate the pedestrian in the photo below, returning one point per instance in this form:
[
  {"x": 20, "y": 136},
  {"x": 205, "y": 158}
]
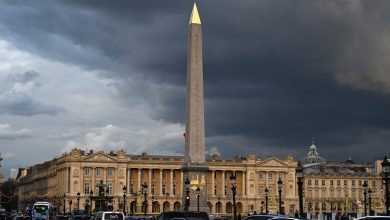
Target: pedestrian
[
  {"x": 296, "y": 214},
  {"x": 239, "y": 216}
]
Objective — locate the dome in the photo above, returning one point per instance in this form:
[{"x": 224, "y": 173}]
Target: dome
[{"x": 313, "y": 156}]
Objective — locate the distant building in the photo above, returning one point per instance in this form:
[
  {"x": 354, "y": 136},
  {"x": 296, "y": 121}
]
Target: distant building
[{"x": 338, "y": 187}]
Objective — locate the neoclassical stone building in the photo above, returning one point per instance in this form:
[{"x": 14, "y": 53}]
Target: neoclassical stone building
[
  {"x": 80, "y": 172},
  {"x": 328, "y": 187},
  {"x": 338, "y": 187}
]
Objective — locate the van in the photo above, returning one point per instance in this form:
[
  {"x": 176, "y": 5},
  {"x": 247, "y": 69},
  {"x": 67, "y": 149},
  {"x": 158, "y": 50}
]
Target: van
[{"x": 109, "y": 215}]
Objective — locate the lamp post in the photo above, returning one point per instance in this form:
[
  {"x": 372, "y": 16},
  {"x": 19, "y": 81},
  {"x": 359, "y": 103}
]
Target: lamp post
[
  {"x": 64, "y": 202},
  {"x": 369, "y": 200},
  {"x": 187, "y": 191},
  {"x": 90, "y": 198},
  {"x": 385, "y": 176},
  {"x": 197, "y": 195},
  {"x": 233, "y": 181},
  {"x": 365, "y": 188},
  {"x": 144, "y": 189},
  {"x": 280, "y": 185},
  {"x": 266, "y": 199},
  {"x": 124, "y": 199},
  {"x": 78, "y": 201},
  {"x": 299, "y": 173}
]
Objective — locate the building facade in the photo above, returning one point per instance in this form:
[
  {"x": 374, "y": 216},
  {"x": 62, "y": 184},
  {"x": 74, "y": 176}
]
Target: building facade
[
  {"x": 338, "y": 187},
  {"x": 328, "y": 187},
  {"x": 78, "y": 172}
]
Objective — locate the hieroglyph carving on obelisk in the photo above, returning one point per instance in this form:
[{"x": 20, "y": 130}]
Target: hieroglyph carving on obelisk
[{"x": 194, "y": 136}]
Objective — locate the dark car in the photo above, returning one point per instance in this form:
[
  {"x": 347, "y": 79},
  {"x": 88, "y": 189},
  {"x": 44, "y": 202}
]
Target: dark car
[
  {"x": 183, "y": 216},
  {"x": 264, "y": 216},
  {"x": 378, "y": 217}
]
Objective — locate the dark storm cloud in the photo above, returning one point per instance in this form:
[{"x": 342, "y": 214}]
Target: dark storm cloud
[{"x": 276, "y": 72}]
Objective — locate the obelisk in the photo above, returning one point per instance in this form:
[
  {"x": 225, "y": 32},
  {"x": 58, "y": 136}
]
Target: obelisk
[{"x": 195, "y": 169}]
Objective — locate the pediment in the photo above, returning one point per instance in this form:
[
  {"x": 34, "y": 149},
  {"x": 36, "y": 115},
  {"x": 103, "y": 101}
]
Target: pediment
[
  {"x": 100, "y": 156},
  {"x": 272, "y": 162}
]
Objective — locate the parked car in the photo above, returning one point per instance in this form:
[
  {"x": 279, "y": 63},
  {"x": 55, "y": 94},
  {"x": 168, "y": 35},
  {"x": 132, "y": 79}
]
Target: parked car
[
  {"x": 183, "y": 216},
  {"x": 377, "y": 217},
  {"x": 107, "y": 215},
  {"x": 264, "y": 216}
]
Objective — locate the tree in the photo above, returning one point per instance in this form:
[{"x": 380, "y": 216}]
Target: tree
[{"x": 9, "y": 195}]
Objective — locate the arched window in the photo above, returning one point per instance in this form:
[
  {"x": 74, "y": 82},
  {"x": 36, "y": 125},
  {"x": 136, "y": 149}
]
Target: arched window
[
  {"x": 229, "y": 207},
  {"x": 156, "y": 207},
  {"x": 176, "y": 206},
  {"x": 166, "y": 207},
  {"x": 218, "y": 207},
  {"x": 239, "y": 207}
]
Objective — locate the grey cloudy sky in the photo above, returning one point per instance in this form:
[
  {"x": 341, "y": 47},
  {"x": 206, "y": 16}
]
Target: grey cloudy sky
[{"x": 107, "y": 75}]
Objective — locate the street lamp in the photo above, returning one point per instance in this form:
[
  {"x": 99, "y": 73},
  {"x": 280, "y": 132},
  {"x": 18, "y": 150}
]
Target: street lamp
[
  {"x": 385, "y": 176},
  {"x": 365, "y": 188},
  {"x": 124, "y": 199},
  {"x": 187, "y": 191},
  {"x": 233, "y": 181},
  {"x": 144, "y": 189},
  {"x": 299, "y": 173},
  {"x": 198, "y": 195},
  {"x": 280, "y": 185},
  {"x": 64, "y": 202},
  {"x": 369, "y": 200},
  {"x": 266, "y": 199},
  {"x": 78, "y": 201}
]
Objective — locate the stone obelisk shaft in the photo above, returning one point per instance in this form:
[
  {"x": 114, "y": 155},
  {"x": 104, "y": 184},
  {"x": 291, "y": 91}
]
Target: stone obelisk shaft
[{"x": 195, "y": 141}]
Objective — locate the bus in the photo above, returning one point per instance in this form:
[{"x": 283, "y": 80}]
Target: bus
[{"x": 43, "y": 211}]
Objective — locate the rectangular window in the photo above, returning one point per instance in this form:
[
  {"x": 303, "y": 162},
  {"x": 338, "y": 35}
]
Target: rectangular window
[
  {"x": 338, "y": 182},
  {"x": 353, "y": 182},
  {"x": 261, "y": 175},
  {"x": 109, "y": 187},
  {"x": 345, "y": 182},
  {"x": 309, "y": 192},
  {"x": 270, "y": 176},
  {"x": 86, "y": 188},
  {"x": 331, "y": 182},
  {"x": 309, "y": 182},
  {"x": 360, "y": 182},
  {"x": 323, "y": 182},
  {"x": 373, "y": 184},
  {"x": 163, "y": 189},
  {"x": 152, "y": 189},
  {"x": 316, "y": 194},
  {"x": 215, "y": 189},
  {"x": 316, "y": 182},
  {"x": 97, "y": 171},
  {"x": 109, "y": 171},
  {"x": 331, "y": 194},
  {"x": 86, "y": 172},
  {"x": 353, "y": 194},
  {"x": 131, "y": 190},
  {"x": 323, "y": 206},
  {"x": 323, "y": 194}
]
